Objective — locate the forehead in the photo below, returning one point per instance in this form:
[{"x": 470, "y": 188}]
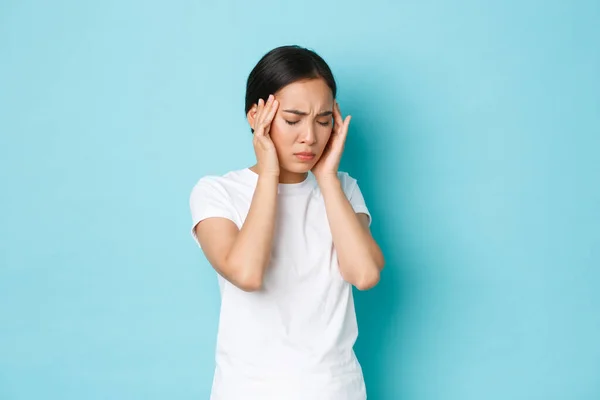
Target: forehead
[{"x": 306, "y": 94}]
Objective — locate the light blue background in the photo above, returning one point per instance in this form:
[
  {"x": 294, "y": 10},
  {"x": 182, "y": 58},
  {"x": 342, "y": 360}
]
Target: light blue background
[{"x": 475, "y": 138}]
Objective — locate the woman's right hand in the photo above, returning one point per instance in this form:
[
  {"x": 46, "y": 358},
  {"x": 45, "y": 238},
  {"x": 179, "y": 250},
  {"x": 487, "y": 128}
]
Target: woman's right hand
[{"x": 266, "y": 156}]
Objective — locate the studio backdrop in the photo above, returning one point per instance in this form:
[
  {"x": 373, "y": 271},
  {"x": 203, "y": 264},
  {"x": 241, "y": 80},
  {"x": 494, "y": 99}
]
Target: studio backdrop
[{"x": 475, "y": 137}]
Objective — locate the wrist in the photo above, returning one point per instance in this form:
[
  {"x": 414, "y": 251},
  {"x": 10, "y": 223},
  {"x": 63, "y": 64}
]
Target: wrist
[
  {"x": 268, "y": 177},
  {"x": 267, "y": 172},
  {"x": 328, "y": 180}
]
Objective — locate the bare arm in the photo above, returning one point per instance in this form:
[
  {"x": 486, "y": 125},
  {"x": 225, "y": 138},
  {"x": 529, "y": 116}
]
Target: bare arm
[
  {"x": 242, "y": 256},
  {"x": 360, "y": 258}
]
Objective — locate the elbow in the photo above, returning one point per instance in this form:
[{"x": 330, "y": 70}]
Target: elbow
[
  {"x": 368, "y": 279},
  {"x": 242, "y": 275},
  {"x": 371, "y": 275},
  {"x": 249, "y": 282}
]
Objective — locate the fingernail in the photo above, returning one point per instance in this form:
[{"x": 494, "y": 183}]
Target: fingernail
[{"x": 270, "y": 97}]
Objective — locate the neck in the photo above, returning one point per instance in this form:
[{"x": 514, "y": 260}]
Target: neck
[{"x": 286, "y": 176}]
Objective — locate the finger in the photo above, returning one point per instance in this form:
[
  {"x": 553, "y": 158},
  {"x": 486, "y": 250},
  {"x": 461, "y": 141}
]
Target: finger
[
  {"x": 346, "y": 125},
  {"x": 265, "y": 142},
  {"x": 258, "y": 116},
  {"x": 265, "y": 111},
  {"x": 255, "y": 117},
  {"x": 342, "y": 132},
  {"x": 267, "y": 108},
  {"x": 337, "y": 116},
  {"x": 270, "y": 115},
  {"x": 267, "y": 115}
]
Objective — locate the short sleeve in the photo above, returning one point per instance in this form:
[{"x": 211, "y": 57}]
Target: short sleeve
[
  {"x": 355, "y": 196},
  {"x": 208, "y": 200}
]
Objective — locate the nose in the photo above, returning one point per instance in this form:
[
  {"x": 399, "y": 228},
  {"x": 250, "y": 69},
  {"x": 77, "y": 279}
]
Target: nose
[{"x": 308, "y": 136}]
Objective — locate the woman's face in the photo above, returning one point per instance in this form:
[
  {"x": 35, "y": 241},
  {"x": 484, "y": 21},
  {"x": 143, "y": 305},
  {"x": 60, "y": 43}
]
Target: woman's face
[{"x": 302, "y": 125}]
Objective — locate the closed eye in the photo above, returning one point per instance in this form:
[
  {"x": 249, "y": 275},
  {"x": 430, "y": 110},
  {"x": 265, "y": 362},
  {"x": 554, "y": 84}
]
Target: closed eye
[{"x": 326, "y": 123}]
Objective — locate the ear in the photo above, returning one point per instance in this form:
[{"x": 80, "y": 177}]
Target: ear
[{"x": 251, "y": 116}]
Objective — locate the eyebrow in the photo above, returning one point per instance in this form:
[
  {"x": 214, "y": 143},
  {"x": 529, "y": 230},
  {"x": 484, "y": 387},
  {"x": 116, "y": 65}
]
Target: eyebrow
[{"x": 298, "y": 112}]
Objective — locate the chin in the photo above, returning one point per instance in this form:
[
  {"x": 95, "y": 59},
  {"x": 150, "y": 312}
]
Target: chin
[{"x": 299, "y": 168}]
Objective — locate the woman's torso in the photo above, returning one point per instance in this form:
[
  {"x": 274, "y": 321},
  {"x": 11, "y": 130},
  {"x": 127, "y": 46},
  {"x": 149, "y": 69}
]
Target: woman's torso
[{"x": 293, "y": 338}]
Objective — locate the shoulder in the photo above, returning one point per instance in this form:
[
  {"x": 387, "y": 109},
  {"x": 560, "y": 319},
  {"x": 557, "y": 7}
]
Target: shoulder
[
  {"x": 209, "y": 184},
  {"x": 348, "y": 182},
  {"x": 219, "y": 196},
  {"x": 221, "y": 188},
  {"x": 237, "y": 180},
  {"x": 354, "y": 194},
  {"x": 345, "y": 177}
]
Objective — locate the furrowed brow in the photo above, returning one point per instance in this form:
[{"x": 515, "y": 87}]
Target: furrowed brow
[
  {"x": 296, "y": 112},
  {"x": 302, "y": 113}
]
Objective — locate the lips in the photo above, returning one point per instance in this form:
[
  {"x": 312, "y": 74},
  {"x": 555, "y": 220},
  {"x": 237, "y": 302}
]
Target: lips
[{"x": 305, "y": 155}]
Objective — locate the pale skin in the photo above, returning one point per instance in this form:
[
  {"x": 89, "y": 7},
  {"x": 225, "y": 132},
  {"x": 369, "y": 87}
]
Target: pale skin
[{"x": 296, "y": 119}]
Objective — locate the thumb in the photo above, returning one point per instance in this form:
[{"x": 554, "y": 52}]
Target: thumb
[{"x": 265, "y": 142}]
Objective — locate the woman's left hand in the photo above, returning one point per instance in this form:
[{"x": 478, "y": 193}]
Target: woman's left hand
[{"x": 328, "y": 164}]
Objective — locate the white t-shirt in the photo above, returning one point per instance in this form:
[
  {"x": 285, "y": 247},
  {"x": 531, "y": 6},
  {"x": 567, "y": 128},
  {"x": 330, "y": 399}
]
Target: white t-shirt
[{"x": 294, "y": 338}]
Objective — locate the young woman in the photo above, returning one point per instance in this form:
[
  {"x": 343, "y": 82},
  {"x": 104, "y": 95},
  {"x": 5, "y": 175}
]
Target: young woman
[{"x": 288, "y": 237}]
